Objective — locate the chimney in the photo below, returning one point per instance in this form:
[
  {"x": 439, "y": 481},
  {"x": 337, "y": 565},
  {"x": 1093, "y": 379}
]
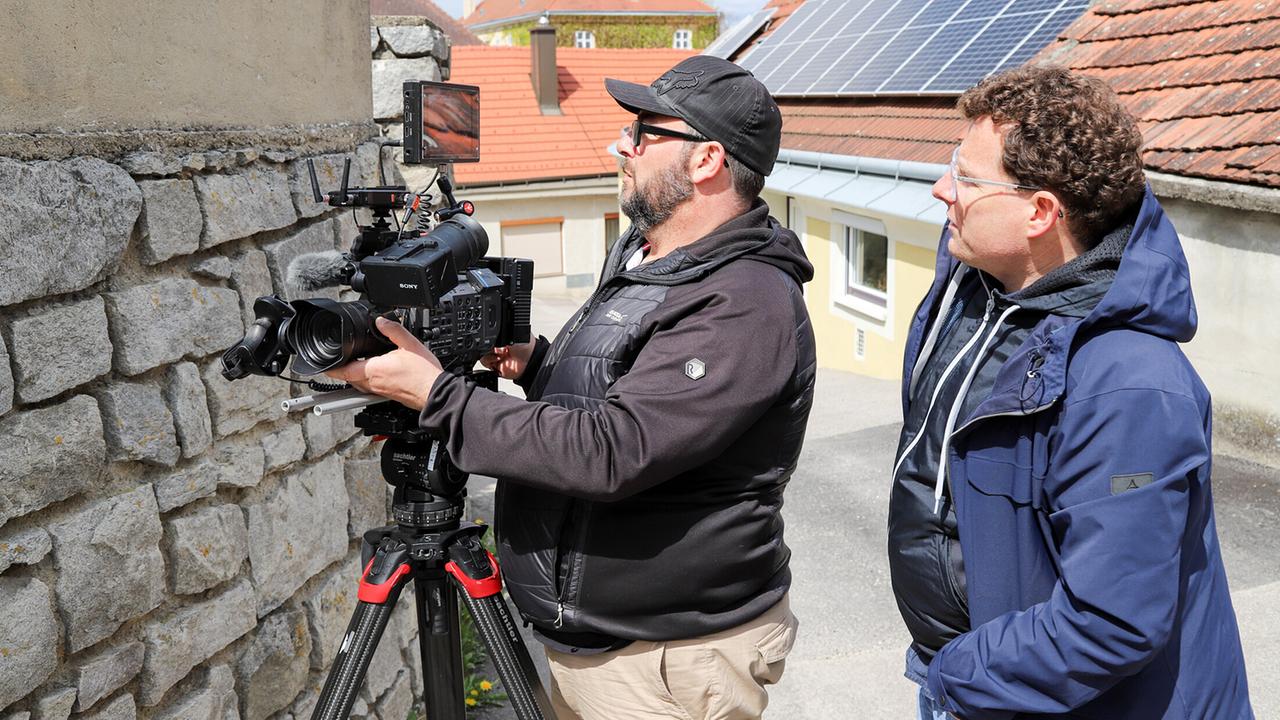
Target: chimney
[{"x": 546, "y": 83}]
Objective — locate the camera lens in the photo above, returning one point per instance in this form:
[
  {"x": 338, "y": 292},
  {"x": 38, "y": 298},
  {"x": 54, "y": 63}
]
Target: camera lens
[{"x": 325, "y": 334}]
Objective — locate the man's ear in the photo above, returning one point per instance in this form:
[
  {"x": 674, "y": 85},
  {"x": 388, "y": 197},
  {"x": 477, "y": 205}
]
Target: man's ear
[
  {"x": 707, "y": 161},
  {"x": 1046, "y": 213}
]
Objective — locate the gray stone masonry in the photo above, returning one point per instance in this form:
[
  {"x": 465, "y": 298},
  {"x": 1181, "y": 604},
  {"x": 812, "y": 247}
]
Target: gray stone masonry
[
  {"x": 238, "y": 205},
  {"x": 191, "y": 635},
  {"x": 296, "y": 531},
  {"x": 27, "y": 547},
  {"x": 273, "y": 667},
  {"x": 316, "y": 237},
  {"x": 122, "y": 708},
  {"x": 215, "y": 700},
  {"x": 17, "y": 715},
  {"x": 252, "y": 279},
  {"x": 28, "y": 637},
  {"x": 237, "y": 465},
  {"x": 238, "y": 406},
  {"x": 241, "y": 463},
  {"x": 205, "y": 547},
  {"x": 171, "y": 220},
  {"x": 284, "y": 446},
  {"x": 388, "y": 83},
  {"x": 367, "y": 494},
  {"x": 55, "y": 705},
  {"x": 213, "y": 268},
  {"x": 48, "y": 455},
  {"x": 185, "y": 394},
  {"x": 6, "y": 380},
  {"x": 324, "y": 432},
  {"x": 398, "y": 701},
  {"x": 414, "y": 42},
  {"x": 73, "y": 218},
  {"x": 105, "y": 672},
  {"x": 387, "y": 662},
  {"x": 58, "y": 348},
  {"x": 138, "y": 424},
  {"x": 329, "y": 177},
  {"x": 110, "y": 566},
  {"x": 160, "y": 322},
  {"x": 329, "y": 608},
  {"x": 143, "y": 162}
]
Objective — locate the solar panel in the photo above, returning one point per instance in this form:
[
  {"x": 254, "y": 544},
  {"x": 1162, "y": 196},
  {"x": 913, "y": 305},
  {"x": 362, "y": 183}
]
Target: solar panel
[
  {"x": 738, "y": 35},
  {"x": 858, "y": 47}
]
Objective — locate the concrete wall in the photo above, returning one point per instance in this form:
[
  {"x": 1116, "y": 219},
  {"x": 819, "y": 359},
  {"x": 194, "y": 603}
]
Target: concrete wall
[{"x": 172, "y": 547}]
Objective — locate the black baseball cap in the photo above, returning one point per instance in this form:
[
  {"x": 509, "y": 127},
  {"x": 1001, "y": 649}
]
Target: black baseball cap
[{"x": 721, "y": 100}]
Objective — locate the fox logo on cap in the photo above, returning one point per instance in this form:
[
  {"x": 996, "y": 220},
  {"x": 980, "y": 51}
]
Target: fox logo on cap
[{"x": 676, "y": 80}]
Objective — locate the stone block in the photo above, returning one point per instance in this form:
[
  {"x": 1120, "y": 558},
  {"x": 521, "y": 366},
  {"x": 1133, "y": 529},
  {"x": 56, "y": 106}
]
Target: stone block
[
  {"x": 415, "y": 41},
  {"x": 322, "y": 432},
  {"x": 138, "y": 425},
  {"x": 105, "y": 672},
  {"x": 55, "y": 705},
  {"x": 297, "y": 531},
  {"x": 366, "y": 164},
  {"x": 122, "y": 708},
  {"x": 215, "y": 700},
  {"x": 59, "y": 347},
  {"x": 110, "y": 566},
  {"x": 185, "y": 394},
  {"x": 284, "y": 446},
  {"x": 49, "y": 455},
  {"x": 251, "y": 278},
  {"x": 316, "y": 237},
  {"x": 366, "y": 494},
  {"x": 237, "y": 406},
  {"x": 328, "y": 175},
  {"x": 388, "y": 83},
  {"x": 145, "y": 162},
  {"x": 232, "y": 465},
  {"x": 373, "y": 39},
  {"x": 160, "y": 322},
  {"x": 213, "y": 268},
  {"x": 396, "y": 702},
  {"x": 385, "y": 667},
  {"x": 243, "y": 203},
  {"x": 28, "y": 637},
  {"x": 74, "y": 218},
  {"x": 17, "y": 715},
  {"x": 273, "y": 667},
  {"x": 27, "y": 547},
  {"x": 190, "y": 636},
  {"x": 6, "y": 380},
  {"x": 171, "y": 220},
  {"x": 329, "y": 609},
  {"x": 205, "y": 547}
]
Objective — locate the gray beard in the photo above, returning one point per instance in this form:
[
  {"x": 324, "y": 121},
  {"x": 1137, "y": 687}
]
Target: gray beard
[{"x": 652, "y": 204}]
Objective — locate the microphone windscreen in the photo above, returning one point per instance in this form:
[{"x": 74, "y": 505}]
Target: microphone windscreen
[{"x": 315, "y": 271}]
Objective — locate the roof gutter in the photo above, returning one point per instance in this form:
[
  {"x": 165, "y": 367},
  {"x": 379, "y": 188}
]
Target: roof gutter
[
  {"x": 896, "y": 169},
  {"x": 484, "y": 25}
]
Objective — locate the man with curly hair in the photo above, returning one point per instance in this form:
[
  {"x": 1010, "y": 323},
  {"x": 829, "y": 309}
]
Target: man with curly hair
[{"x": 1052, "y": 543}]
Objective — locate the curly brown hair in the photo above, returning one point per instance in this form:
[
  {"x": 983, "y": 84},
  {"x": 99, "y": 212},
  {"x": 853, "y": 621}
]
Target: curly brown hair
[{"x": 1068, "y": 134}]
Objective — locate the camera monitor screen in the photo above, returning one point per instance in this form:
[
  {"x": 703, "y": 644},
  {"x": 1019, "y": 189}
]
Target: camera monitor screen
[{"x": 441, "y": 123}]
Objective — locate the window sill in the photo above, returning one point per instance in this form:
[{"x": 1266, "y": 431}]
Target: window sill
[{"x": 856, "y": 305}]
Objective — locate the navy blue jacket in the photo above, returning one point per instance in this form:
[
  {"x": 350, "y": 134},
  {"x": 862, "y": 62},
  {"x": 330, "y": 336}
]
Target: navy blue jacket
[{"x": 1095, "y": 581}]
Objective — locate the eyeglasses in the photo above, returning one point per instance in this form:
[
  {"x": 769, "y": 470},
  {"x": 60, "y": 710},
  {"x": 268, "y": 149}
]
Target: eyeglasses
[
  {"x": 957, "y": 178},
  {"x": 635, "y": 132}
]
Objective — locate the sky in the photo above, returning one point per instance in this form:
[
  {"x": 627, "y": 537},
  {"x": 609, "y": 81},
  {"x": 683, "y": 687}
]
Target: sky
[{"x": 734, "y": 10}]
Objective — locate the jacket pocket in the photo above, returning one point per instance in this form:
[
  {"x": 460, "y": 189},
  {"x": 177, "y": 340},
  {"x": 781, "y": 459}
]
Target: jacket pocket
[{"x": 1000, "y": 479}]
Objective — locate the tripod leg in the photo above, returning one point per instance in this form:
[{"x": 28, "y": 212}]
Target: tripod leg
[
  {"x": 379, "y": 589},
  {"x": 479, "y": 581},
  {"x": 440, "y": 642}
]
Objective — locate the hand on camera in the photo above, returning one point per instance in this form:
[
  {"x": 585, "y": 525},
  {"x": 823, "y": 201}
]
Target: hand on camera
[
  {"x": 509, "y": 361},
  {"x": 404, "y": 375}
]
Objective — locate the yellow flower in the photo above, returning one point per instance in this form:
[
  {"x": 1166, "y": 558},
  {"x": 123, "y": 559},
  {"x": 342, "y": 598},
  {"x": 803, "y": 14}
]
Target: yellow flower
[
  {"x": 485, "y": 685},
  {"x": 471, "y": 702},
  {"x": 474, "y": 693}
]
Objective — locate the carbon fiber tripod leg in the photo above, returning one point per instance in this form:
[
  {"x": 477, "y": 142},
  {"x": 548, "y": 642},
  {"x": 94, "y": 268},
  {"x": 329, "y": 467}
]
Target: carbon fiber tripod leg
[
  {"x": 510, "y": 656},
  {"x": 347, "y": 674}
]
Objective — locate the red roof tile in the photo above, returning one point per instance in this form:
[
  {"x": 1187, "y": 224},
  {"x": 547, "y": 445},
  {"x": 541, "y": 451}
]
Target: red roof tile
[
  {"x": 488, "y": 11},
  {"x": 519, "y": 143},
  {"x": 921, "y": 130},
  {"x": 457, "y": 32}
]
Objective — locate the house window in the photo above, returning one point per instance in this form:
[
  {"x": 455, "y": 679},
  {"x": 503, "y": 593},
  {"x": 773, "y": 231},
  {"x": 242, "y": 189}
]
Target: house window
[
  {"x": 584, "y": 39},
  {"x": 860, "y": 277},
  {"x": 611, "y": 231},
  {"x": 683, "y": 40}
]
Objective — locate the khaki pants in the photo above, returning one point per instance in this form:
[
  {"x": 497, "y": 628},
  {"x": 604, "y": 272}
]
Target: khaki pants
[{"x": 721, "y": 676}]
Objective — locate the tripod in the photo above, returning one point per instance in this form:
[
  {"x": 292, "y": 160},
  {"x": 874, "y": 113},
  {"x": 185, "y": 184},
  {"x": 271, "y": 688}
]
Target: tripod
[{"x": 428, "y": 545}]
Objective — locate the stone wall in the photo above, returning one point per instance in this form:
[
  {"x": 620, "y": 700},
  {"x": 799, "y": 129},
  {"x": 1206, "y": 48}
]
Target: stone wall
[{"x": 172, "y": 546}]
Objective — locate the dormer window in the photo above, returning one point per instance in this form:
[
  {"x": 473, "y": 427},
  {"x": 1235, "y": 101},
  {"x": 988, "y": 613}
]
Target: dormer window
[
  {"x": 584, "y": 39},
  {"x": 683, "y": 40}
]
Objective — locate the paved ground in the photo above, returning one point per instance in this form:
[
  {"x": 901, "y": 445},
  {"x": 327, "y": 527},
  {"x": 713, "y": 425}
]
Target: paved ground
[{"x": 848, "y": 660}]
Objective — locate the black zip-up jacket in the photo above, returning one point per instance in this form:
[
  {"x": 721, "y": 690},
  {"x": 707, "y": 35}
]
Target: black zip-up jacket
[{"x": 641, "y": 486}]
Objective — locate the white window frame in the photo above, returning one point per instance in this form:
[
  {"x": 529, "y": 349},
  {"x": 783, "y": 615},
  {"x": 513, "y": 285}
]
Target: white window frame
[
  {"x": 861, "y": 301},
  {"x": 682, "y": 40},
  {"x": 584, "y": 39}
]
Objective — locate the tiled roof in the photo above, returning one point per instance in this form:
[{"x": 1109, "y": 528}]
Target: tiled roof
[
  {"x": 782, "y": 10},
  {"x": 457, "y": 32},
  {"x": 518, "y": 143},
  {"x": 916, "y": 129},
  {"x": 488, "y": 11},
  {"x": 1203, "y": 78}
]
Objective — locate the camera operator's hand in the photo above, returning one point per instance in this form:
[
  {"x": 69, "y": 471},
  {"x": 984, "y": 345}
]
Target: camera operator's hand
[
  {"x": 510, "y": 361},
  {"x": 404, "y": 375}
]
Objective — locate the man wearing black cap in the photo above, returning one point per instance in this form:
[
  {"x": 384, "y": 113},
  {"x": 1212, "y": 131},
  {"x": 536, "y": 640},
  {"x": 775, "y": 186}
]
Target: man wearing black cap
[{"x": 638, "y": 508}]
